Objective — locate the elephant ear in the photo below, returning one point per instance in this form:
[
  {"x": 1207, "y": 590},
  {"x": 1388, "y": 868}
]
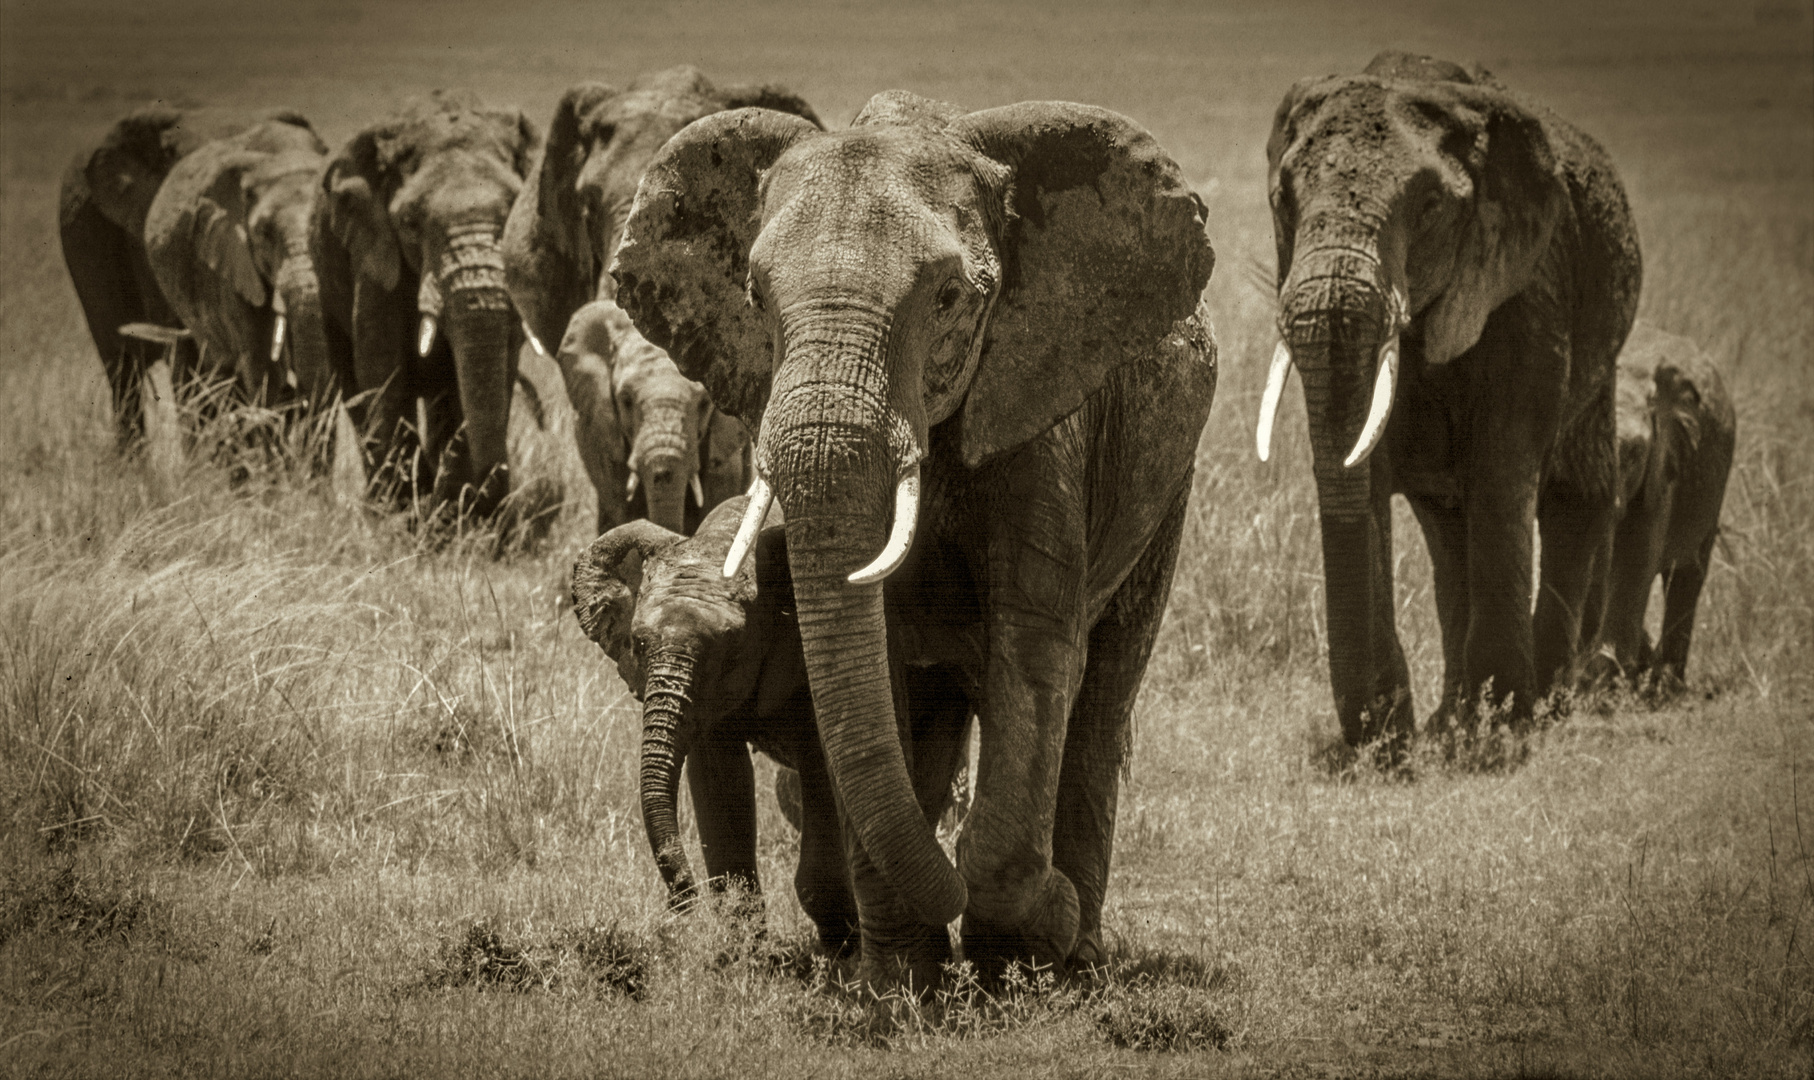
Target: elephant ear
[
  {"x": 683, "y": 267},
  {"x": 548, "y": 263},
  {"x": 217, "y": 229},
  {"x": 1108, "y": 252},
  {"x": 769, "y": 96},
  {"x": 607, "y": 579},
  {"x": 1519, "y": 195},
  {"x": 356, "y": 215}
]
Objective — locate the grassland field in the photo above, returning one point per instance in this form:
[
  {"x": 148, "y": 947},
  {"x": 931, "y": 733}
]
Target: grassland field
[{"x": 283, "y": 793}]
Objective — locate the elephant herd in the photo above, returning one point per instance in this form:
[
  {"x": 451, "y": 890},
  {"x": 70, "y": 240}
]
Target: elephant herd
[{"x": 960, "y": 363}]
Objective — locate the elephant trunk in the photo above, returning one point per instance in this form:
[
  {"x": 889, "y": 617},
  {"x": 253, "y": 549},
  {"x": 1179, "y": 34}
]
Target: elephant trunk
[
  {"x": 480, "y": 327},
  {"x": 665, "y": 459},
  {"x": 305, "y": 329},
  {"x": 666, "y": 694},
  {"x": 1340, "y": 328},
  {"x": 835, "y": 449}
]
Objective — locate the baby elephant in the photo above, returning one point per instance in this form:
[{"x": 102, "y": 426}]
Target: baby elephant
[
  {"x": 1676, "y": 436},
  {"x": 651, "y": 441},
  {"x": 717, "y": 663}
]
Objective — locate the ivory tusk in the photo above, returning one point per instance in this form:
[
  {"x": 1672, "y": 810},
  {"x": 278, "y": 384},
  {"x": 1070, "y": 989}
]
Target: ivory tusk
[
  {"x": 630, "y": 487},
  {"x": 1269, "y": 401},
  {"x": 425, "y": 335},
  {"x": 698, "y": 490},
  {"x": 535, "y": 342},
  {"x": 277, "y": 339},
  {"x": 761, "y": 497},
  {"x": 900, "y": 537},
  {"x": 1383, "y": 387}
]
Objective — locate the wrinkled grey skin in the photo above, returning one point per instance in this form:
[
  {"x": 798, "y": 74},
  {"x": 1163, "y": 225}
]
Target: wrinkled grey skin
[
  {"x": 1006, "y": 301},
  {"x": 228, "y": 241},
  {"x": 1677, "y": 433},
  {"x": 407, "y": 226},
  {"x": 637, "y": 416},
  {"x": 560, "y": 237},
  {"x": 103, "y": 202},
  {"x": 1422, "y": 200},
  {"x": 717, "y": 663}
]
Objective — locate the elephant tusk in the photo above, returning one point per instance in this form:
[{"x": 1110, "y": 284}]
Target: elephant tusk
[
  {"x": 1269, "y": 401},
  {"x": 535, "y": 342},
  {"x": 277, "y": 331},
  {"x": 761, "y": 498},
  {"x": 1383, "y": 388},
  {"x": 698, "y": 490},
  {"x": 425, "y": 336},
  {"x": 900, "y": 537},
  {"x": 630, "y": 487}
]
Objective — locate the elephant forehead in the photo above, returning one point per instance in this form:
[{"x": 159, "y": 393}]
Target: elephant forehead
[
  {"x": 1368, "y": 120},
  {"x": 688, "y": 585},
  {"x": 879, "y": 164},
  {"x": 457, "y": 185}
]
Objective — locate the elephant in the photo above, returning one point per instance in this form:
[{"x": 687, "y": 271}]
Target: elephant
[
  {"x": 1458, "y": 269},
  {"x": 559, "y": 239},
  {"x": 717, "y": 663},
  {"x": 228, "y": 241},
  {"x": 985, "y": 328},
  {"x": 649, "y": 436},
  {"x": 1677, "y": 432},
  {"x": 405, "y": 243},
  {"x": 104, "y": 199}
]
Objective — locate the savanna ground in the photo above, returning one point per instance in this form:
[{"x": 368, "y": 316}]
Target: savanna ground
[{"x": 283, "y": 793}]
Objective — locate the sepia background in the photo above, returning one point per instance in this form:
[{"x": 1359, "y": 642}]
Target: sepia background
[{"x": 273, "y": 778}]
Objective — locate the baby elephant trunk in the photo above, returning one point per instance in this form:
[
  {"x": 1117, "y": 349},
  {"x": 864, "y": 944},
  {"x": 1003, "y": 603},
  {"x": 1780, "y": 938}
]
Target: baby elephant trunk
[
  {"x": 666, "y": 695},
  {"x": 665, "y": 460}
]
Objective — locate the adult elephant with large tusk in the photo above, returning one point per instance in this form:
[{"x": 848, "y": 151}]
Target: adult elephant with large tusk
[
  {"x": 405, "y": 241},
  {"x": 972, "y": 340},
  {"x": 1457, "y": 272},
  {"x": 651, "y": 442}
]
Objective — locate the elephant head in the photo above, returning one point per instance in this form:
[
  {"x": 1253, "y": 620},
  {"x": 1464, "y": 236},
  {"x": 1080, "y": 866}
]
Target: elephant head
[
  {"x": 228, "y": 237},
  {"x": 564, "y": 230},
  {"x": 1409, "y": 202},
  {"x": 410, "y": 217},
  {"x": 690, "y": 643},
  {"x": 105, "y": 197},
  {"x": 844, "y": 293},
  {"x": 648, "y": 434}
]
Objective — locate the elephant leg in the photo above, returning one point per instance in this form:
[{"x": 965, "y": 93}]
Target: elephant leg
[
  {"x": 1445, "y": 532},
  {"x": 445, "y": 445},
  {"x": 1631, "y": 569},
  {"x": 822, "y": 879},
  {"x": 939, "y": 709},
  {"x": 1096, "y": 741},
  {"x": 1498, "y": 648},
  {"x": 897, "y": 947},
  {"x": 100, "y": 267},
  {"x": 723, "y": 784},
  {"x": 1577, "y": 536},
  {"x": 1681, "y": 593},
  {"x": 1022, "y": 908}
]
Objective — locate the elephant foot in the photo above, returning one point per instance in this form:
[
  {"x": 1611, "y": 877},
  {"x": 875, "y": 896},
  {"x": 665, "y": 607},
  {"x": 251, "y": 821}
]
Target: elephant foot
[
  {"x": 1043, "y": 941},
  {"x": 839, "y": 936},
  {"x": 912, "y": 959}
]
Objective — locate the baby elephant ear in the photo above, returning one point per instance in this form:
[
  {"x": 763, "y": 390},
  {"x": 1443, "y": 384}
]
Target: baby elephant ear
[
  {"x": 683, "y": 265},
  {"x": 1107, "y": 253},
  {"x": 607, "y": 578}
]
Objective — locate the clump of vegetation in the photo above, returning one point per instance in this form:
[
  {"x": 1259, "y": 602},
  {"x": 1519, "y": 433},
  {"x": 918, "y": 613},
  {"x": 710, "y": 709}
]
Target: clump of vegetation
[
  {"x": 605, "y": 959},
  {"x": 59, "y": 900},
  {"x": 1152, "y": 1017}
]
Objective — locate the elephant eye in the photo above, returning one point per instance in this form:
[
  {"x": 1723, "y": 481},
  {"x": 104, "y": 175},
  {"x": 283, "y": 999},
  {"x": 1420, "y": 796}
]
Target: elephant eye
[{"x": 948, "y": 296}]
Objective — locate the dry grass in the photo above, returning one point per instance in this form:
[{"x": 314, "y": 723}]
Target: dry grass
[{"x": 287, "y": 790}]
